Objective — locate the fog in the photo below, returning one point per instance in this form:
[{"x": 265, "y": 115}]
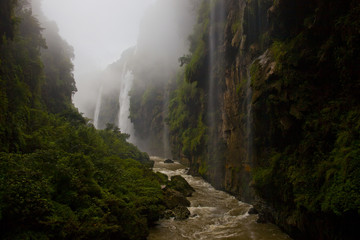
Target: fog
[
  {"x": 99, "y": 31},
  {"x": 126, "y": 55},
  {"x": 139, "y": 80}
]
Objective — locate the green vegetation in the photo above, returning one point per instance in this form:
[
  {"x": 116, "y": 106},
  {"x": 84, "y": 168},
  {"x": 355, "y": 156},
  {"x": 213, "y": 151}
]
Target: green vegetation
[
  {"x": 187, "y": 128},
  {"x": 7, "y": 19},
  {"x": 309, "y": 146},
  {"x": 188, "y": 131},
  {"x": 60, "y": 178},
  {"x": 305, "y": 105}
]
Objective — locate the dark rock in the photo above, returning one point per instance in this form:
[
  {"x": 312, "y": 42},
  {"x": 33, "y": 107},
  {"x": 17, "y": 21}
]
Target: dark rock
[
  {"x": 168, "y": 214},
  {"x": 168, "y": 161},
  {"x": 261, "y": 219},
  {"x": 253, "y": 211},
  {"x": 265, "y": 211},
  {"x": 179, "y": 184},
  {"x": 173, "y": 199},
  {"x": 162, "y": 178},
  {"x": 181, "y": 213}
]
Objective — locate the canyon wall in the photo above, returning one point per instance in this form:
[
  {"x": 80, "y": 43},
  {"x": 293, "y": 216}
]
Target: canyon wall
[{"x": 283, "y": 130}]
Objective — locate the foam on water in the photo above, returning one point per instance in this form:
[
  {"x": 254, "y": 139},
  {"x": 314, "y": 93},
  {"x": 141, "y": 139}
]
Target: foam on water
[{"x": 213, "y": 214}]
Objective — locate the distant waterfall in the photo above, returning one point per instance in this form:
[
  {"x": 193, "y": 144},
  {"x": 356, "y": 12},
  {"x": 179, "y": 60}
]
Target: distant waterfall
[
  {"x": 166, "y": 140},
  {"x": 97, "y": 108},
  {"x": 124, "y": 122}
]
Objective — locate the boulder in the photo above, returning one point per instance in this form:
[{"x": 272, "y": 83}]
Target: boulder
[
  {"x": 181, "y": 213},
  {"x": 168, "y": 161},
  {"x": 173, "y": 199},
  {"x": 252, "y": 211},
  {"x": 168, "y": 214},
  {"x": 179, "y": 184},
  {"x": 178, "y": 213},
  {"x": 161, "y": 177}
]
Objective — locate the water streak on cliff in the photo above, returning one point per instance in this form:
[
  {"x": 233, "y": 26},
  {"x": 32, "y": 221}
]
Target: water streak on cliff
[
  {"x": 97, "y": 108},
  {"x": 216, "y": 39},
  {"x": 249, "y": 121},
  {"x": 166, "y": 133}
]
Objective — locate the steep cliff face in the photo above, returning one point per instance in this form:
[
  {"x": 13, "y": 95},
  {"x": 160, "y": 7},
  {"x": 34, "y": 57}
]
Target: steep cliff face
[
  {"x": 284, "y": 132},
  {"x": 306, "y": 115},
  {"x": 162, "y": 40},
  {"x": 113, "y": 82},
  {"x": 246, "y": 37},
  {"x": 214, "y": 128}
]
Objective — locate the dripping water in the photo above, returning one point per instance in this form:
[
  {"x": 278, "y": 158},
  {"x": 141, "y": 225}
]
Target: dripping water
[
  {"x": 166, "y": 145},
  {"x": 97, "y": 108},
  {"x": 249, "y": 119}
]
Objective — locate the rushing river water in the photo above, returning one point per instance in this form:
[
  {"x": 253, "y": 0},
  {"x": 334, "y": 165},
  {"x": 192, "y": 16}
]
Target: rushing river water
[{"x": 214, "y": 214}]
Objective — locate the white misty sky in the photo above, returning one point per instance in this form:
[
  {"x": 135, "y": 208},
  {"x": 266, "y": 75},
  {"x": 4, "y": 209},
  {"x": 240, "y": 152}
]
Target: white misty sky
[{"x": 99, "y": 30}]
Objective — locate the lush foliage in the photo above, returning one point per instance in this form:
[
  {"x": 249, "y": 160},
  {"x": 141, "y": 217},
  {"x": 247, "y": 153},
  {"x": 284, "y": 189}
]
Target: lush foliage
[
  {"x": 309, "y": 146},
  {"x": 60, "y": 178},
  {"x": 59, "y": 83},
  {"x": 186, "y": 117},
  {"x": 7, "y": 18},
  {"x": 187, "y": 130},
  {"x": 305, "y": 108}
]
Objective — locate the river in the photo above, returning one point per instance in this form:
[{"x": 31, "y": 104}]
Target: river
[{"x": 214, "y": 214}]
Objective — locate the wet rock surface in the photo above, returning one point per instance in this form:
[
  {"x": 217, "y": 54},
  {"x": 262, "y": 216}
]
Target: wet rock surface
[
  {"x": 175, "y": 193},
  {"x": 178, "y": 183},
  {"x": 174, "y": 199},
  {"x": 168, "y": 161}
]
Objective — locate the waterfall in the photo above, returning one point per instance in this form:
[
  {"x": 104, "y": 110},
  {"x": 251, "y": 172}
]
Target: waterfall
[
  {"x": 124, "y": 123},
  {"x": 97, "y": 108},
  {"x": 216, "y": 38}
]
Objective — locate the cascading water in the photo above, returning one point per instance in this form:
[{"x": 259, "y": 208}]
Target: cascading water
[
  {"x": 216, "y": 59},
  {"x": 217, "y": 16},
  {"x": 124, "y": 123},
  {"x": 97, "y": 108},
  {"x": 167, "y": 153}
]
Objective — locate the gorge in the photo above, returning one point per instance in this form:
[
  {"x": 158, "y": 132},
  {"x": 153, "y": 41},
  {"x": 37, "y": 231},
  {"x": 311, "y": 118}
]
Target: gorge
[
  {"x": 258, "y": 110},
  {"x": 260, "y": 98}
]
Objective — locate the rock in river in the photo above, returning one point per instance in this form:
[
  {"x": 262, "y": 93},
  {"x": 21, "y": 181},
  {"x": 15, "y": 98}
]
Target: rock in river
[
  {"x": 178, "y": 183},
  {"x": 168, "y": 161}
]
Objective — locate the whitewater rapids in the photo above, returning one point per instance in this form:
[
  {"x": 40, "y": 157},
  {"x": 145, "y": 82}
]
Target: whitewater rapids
[{"x": 214, "y": 214}]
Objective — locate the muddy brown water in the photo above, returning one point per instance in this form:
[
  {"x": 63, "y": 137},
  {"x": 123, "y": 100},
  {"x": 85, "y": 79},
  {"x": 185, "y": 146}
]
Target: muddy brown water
[{"x": 214, "y": 214}]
